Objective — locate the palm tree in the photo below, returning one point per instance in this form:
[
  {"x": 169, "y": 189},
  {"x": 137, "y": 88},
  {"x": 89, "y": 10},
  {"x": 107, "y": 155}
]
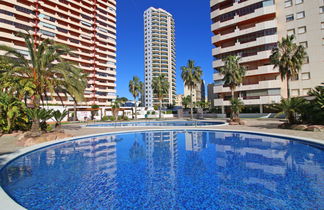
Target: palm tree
[
  {"x": 289, "y": 58},
  {"x": 160, "y": 86},
  {"x": 191, "y": 75},
  {"x": 58, "y": 117},
  {"x": 116, "y": 106},
  {"x": 135, "y": 88},
  {"x": 290, "y": 107},
  {"x": 233, "y": 73},
  {"x": 142, "y": 90},
  {"x": 318, "y": 93},
  {"x": 203, "y": 105},
  {"x": 186, "y": 100},
  {"x": 236, "y": 106},
  {"x": 45, "y": 72}
]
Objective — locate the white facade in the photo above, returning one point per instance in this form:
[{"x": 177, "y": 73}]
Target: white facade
[
  {"x": 159, "y": 53},
  {"x": 251, "y": 29}
]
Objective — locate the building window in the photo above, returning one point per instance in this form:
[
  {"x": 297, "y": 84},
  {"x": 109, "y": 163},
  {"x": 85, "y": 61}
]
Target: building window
[
  {"x": 289, "y": 18},
  {"x": 302, "y": 30},
  {"x": 322, "y": 9},
  {"x": 300, "y": 15},
  {"x": 295, "y": 92},
  {"x": 323, "y": 41},
  {"x": 305, "y": 76},
  {"x": 304, "y": 44},
  {"x": 299, "y": 1},
  {"x": 306, "y": 61},
  {"x": 291, "y": 32},
  {"x": 306, "y": 91},
  {"x": 322, "y": 25},
  {"x": 288, "y": 3}
]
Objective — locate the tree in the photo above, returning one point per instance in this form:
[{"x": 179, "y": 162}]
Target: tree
[
  {"x": 236, "y": 106},
  {"x": 289, "y": 58},
  {"x": 203, "y": 105},
  {"x": 94, "y": 112},
  {"x": 116, "y": 107},
  {"x": 191, "y": 76},
  {"x": 312, "y": 111},
  {"x": 42, "y": 115},
  {"x": 58, "y": 117},
  {"x": 290, "y": 107},
  {"x": 160, "y": 86},
  {"x": 12, "y": 114},
  {"x": 135, "y": 88},
  {"x": 318, "y": 93},
  {"x": 142, "y": 90},
  {"x": 186, "y": 100},
  {"x": 45, "y": 72},
  {"x": 233, "y": 73}
]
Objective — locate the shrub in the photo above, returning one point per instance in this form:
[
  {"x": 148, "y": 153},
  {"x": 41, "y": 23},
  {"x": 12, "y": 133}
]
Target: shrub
[
  {"x": 290, "y": 107},
  {"x": 148, "y": 112},
  {"x": 169, "y": 112},
  {"x": 153, "y": 112},
  {"x": 42, "y": 115},
  {"x": 112, "y": 118},
  {"x": 156, "y": 107},
  {"x": 58, "y": 117},
  {"x": 13, "y": 114},
  {"x": 105, "y": 118}
]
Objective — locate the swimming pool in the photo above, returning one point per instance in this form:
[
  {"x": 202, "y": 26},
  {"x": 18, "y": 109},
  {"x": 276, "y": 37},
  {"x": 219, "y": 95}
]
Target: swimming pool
[
  {"x": 169, "y": 169},
  {"x": 157, "y": 123}
]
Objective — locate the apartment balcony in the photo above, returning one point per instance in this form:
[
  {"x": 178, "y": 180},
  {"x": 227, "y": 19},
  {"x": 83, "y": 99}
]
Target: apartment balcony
[
  {"x": 237, "y": 32},
  {"x": 235, "y": 6},
  {"x": 110, "y": 84},
  {"x": 259, "y": 56},
  {"x": 214, "y": 2},
  {"x": 238, "y": 46},
  {"x": 268, "y": 69},
  {"x": 248, "y": 101},
  {"x": 86, "y": 68},
  {"x": 259, "y": 86},
  {"x": 237, "y": 19},
  {"x": 217, "y": 76}
]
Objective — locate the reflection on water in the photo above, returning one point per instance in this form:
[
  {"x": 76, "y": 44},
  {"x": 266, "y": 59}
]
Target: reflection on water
[{"x": 170, "y": 169}]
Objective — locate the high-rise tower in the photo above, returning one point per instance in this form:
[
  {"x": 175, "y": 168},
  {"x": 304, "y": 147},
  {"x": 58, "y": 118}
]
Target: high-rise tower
[
  {"x": 250, "y": 29},
  {"x": 88, "y": 27},
  {"x": 159, "y": 45}
]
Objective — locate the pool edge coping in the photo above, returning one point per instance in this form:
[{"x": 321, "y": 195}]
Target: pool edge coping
[{"x": 12, "y": 204}]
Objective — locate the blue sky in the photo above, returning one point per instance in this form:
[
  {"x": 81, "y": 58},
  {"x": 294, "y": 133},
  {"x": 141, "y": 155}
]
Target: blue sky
[{"x": 192, "y": 38}]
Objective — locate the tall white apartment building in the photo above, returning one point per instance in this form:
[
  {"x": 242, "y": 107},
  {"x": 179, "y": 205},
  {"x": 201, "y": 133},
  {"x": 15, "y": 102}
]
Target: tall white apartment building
[
  {"x": 159, "y": 53},
  {"x": 305, "y": 19},
  {"x": 88, "y": 27},
  {"x": 198, "y": 92},
  {"x": 250, "y": 29}
]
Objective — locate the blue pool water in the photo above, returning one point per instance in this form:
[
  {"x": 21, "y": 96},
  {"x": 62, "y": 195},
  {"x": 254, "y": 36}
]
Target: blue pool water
[
  {"x": 169, "y": 169},
  {"x": 157, "y": 123}
]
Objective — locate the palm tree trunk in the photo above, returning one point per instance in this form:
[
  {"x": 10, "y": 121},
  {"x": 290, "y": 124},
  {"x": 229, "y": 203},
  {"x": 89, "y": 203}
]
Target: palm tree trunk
[
  {"x": 35, "y": 128},
  {"x": 232, "y": 97},
  {"x": 160, "y": 116},
  {"x": 75, "y": 112},
  {"x": 288, "y": 92},
  {"x": 191, "y": 103},
  {"x": 135, "y": 108}
]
